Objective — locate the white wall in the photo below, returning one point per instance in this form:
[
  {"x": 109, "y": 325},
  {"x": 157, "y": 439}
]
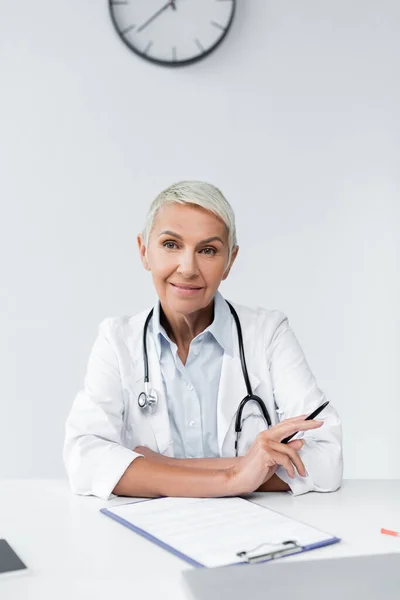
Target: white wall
[{"x": 295, "y": 117}]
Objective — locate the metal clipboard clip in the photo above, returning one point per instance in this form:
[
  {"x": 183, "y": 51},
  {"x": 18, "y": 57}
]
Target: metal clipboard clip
[{"x": 280, "y": 549}]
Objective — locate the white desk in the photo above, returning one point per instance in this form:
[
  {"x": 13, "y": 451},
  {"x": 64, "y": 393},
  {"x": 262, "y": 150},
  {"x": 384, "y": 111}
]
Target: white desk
[{"x": 75, "y": 552}]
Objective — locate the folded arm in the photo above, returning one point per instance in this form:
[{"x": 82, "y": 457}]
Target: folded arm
[
  {"x": 95, "y": 457},
  {"x": 273, "y": 484}
]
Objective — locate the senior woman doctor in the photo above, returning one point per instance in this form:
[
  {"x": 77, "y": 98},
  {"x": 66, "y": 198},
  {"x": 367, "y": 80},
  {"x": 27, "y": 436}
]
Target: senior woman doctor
[{"x": 184, "y": 445}]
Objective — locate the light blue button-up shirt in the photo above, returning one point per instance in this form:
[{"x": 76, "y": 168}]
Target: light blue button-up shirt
[{"x": 191, "y": 390}]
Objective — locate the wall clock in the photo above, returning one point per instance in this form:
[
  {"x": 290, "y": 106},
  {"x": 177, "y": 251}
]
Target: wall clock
[{"x": 173, "y": 32}]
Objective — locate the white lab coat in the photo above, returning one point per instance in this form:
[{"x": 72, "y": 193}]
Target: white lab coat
[{"x": 105, "y": 423}]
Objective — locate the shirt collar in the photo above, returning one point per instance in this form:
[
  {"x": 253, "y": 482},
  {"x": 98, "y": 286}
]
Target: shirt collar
[{"x": 220, "y": 328}]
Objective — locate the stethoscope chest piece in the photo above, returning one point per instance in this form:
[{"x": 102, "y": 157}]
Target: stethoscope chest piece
[{"x": 148, "y": 400}]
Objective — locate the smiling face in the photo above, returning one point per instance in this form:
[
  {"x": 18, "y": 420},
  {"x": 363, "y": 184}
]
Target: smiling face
[{"x": 187, "y": 255}]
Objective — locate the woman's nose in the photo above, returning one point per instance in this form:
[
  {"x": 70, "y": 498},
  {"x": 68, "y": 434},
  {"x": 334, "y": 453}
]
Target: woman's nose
[{"x": 188, "y": 264}]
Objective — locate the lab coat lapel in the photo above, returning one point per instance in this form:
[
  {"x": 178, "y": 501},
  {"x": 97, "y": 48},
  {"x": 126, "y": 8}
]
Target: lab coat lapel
[
  {"x": 232, "y": 390},
  {"x": 159, "y": 420}
]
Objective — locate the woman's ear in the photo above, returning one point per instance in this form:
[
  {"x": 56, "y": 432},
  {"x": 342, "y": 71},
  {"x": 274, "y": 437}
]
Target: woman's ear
[
  {"x": 233, "y": 258},
  {"x": 142, "y": 252}
]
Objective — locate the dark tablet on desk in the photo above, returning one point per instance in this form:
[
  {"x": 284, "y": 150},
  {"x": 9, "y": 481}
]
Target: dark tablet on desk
[{"x": 9, "y": 560}]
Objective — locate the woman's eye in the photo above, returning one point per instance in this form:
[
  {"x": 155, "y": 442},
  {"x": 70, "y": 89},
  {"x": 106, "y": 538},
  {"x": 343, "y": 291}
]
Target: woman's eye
[
  {"x": 209, "y": 251},
  {"x": 169, "y": 245}
]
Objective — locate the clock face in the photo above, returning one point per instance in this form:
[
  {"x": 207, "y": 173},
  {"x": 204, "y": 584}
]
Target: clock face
[{"x": 172, "y": 32}]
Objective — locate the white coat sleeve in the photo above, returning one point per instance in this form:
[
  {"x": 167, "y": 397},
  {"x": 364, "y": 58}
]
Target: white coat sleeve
[
  {"x": 94, "y": 455},
  {"x": 296, "y": 393}
]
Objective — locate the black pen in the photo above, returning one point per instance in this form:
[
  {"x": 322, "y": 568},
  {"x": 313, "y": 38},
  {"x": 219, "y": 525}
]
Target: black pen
[{"x": 309, "y": 418}]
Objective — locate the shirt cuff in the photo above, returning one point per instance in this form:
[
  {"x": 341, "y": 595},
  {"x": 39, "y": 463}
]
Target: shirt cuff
[
  {"x": 299, "y": 485},
  {"x": 113, "y": 466}
]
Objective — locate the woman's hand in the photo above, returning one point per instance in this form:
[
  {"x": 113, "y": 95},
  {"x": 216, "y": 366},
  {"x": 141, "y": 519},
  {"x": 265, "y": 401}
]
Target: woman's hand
[
  {"x": 150, "y": 454},
  {"x": 267, "y": 453}
]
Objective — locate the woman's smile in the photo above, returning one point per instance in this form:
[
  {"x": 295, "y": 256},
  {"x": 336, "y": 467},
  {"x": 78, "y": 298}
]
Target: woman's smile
[{"x": 185, "y": 289}]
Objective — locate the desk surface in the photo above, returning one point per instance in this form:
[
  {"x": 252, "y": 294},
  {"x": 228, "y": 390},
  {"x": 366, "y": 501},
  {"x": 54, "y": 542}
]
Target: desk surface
[{"x": 73, "y": 551}]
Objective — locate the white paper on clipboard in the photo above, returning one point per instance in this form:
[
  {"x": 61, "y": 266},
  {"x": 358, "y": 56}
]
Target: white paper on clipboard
[{"x": 211, "y": 532}]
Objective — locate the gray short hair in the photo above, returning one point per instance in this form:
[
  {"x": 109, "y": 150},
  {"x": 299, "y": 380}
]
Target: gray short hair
[{"x": 201, "y": 194}]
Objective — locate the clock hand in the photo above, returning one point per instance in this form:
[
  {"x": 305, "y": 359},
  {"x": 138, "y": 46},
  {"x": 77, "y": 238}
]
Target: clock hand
[{"x": 167, "y": 5}]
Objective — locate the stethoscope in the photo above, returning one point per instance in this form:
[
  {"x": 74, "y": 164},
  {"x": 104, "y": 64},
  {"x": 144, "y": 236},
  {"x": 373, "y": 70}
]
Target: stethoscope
[{"x": 148, "y": 399}]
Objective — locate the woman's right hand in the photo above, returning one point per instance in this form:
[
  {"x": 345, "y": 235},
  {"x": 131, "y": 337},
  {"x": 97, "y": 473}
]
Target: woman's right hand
[{"x": 267, "y": 453}]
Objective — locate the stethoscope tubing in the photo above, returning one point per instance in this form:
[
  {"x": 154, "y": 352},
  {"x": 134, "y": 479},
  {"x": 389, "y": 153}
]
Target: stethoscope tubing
[{"x": 148, "y": 398}]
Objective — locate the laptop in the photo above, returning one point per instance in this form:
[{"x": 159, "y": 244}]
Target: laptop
[{"x": 374, "y": 577}]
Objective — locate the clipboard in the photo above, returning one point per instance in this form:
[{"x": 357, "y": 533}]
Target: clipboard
[{"x": 155, "y": 518}]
